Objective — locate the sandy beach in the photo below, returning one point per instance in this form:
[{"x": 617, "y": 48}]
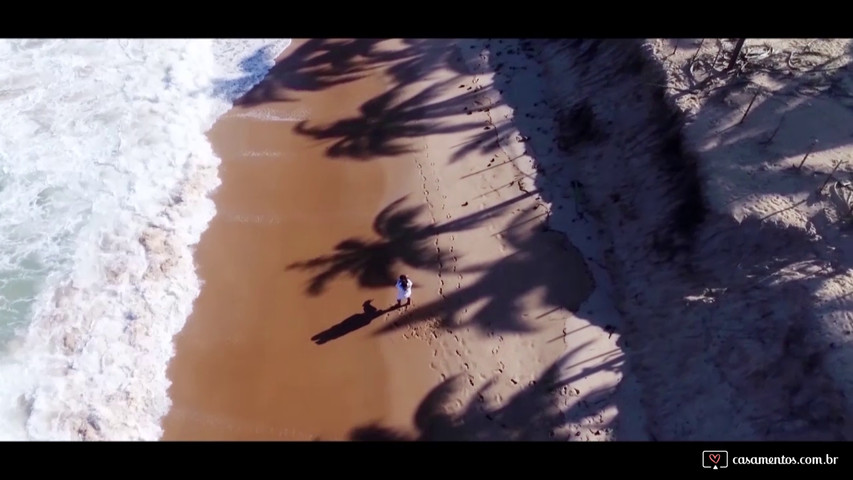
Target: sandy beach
[
  {"x": 609, "y": 240},
  {"x": 355, "y": 161}
]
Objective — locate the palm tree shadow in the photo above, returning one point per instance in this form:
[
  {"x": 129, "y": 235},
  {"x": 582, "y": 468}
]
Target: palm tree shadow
[
  {"x": 562, "y": 278},
  {"x": 402, "y": 240},
  {"x": 371, "y": 262},
  {"x": 349, "y": 324},
  {"x": 316, "y": 65},
  {"x": 729, "y": 270},
  {"x": 426, "y": 55},
  {"x": 532, "y": 414},
  {"x": 389, "y": 123}
]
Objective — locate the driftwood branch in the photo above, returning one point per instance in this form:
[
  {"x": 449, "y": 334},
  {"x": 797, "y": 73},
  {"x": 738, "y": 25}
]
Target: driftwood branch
[
  {"x": 736, "y": 53},
  {"x": 698, "y": 49},
  {"x": 809, "y": 152},
  {"x": 749, "y": 107},
  {"x": 773, "y": 135},
  {"x": 829, "y": 177}
]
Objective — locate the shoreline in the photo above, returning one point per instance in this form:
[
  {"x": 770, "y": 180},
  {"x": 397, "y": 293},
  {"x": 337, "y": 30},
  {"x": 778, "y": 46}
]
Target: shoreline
[{"x": 110, "y": 280}]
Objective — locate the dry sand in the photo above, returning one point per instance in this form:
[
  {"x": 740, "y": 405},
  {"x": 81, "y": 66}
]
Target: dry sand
[
  {"x": 355, "y": 161},
  {"x": 790, "y": 234}
]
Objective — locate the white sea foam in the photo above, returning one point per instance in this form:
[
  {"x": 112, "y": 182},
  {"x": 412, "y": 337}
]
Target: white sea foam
[
  {"x": 263, "y": 154},
  {"x": 266, "y": 115},
  {"x": 104, "y": 175}
]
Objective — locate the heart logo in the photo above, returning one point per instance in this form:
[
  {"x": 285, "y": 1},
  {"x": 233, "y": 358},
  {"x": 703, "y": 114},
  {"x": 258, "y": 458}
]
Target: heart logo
[{"x": 715, "y": 457}]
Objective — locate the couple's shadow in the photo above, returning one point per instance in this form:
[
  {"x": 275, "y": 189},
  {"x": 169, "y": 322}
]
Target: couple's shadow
[{"x": 351, "y": 323}]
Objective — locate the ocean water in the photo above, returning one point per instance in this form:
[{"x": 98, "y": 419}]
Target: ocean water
[{"x": 105, "y": 171}]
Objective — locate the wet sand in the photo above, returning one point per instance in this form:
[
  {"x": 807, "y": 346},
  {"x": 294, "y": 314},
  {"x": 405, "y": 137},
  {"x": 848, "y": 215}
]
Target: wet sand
[{"x": 246, "y": 367}]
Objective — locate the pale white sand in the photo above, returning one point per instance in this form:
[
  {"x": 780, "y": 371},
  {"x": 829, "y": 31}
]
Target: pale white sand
[
  {"x": 737, "y": 325},
  {"x": 599, "y": 397},
  {"x": 805, "y": 103}
]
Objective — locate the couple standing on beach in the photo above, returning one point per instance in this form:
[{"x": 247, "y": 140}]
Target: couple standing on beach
[{"x": 404, "y": 290}]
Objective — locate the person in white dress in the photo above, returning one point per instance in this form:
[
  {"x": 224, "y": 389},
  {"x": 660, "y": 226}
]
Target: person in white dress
[{"x": 404, "y": 290}]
